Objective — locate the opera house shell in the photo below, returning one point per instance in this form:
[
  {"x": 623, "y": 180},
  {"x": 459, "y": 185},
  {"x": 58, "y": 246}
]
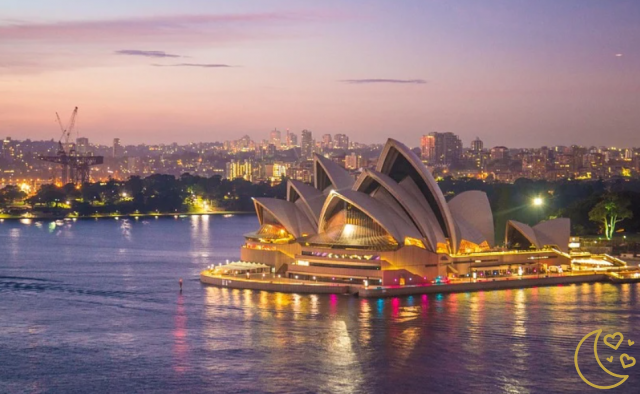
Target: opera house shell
[{"x": 390, "y": 226}]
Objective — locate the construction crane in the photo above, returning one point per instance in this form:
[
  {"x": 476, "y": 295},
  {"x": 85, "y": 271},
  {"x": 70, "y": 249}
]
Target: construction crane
[{"x": 75, "y": 167}]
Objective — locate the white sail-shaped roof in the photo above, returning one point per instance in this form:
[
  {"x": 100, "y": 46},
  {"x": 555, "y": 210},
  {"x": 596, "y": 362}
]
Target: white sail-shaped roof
[
  {"x": 395, "y": 225},
  {"x": 399, "y": 162},
  {"x": 524, "y": 229},
  {"x": 329, "y": 175},
  {"x": 555, "y": 232},
  {"x": 472, "y": 212},
  {"x": 287, "y": 214},
  {"x": 435, "y": 231},
  {"x": 416, "y": 212},
  {"x": 308, "y": 198}
]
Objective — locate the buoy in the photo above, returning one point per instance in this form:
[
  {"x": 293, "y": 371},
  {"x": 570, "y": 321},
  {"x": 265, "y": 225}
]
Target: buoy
[{"x": 180, "y": 284}]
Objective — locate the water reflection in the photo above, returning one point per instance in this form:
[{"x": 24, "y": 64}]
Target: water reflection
[
  {"x": 180, "y": 347},
  {"x": 107, "y": 308}
]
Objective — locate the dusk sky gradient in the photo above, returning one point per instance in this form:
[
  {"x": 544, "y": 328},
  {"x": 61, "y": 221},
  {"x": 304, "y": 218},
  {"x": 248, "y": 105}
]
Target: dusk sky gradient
[{"x": 515, "y": 73}]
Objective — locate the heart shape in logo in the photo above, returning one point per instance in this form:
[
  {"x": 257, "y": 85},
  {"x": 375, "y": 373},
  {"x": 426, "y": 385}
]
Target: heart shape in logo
[
  {"x": 610, "y": 359},
  {"x": 631, "y": 359},
  {"x": 630, "y": 342},
  {"x": 613, "y": 336}
]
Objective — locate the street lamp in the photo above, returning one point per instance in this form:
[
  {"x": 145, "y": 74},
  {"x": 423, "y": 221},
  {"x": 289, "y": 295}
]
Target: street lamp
[{"x": 538, "y": 202}]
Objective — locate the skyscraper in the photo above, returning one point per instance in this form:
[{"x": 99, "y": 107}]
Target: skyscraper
[
  {"x": 239, "y": 169},
  {"x": 341, "y": 141},
  {"x": 441, "y": 148},
  {"x": 82, "y": 145},
  {"x": 291, "y": 140},
  {"x": 7, "y": 149},
  {"x": 275, "y": 138},
  {"x": 117, "y": 148},
  {"x": 326, "y": 141},
  {"x": 307, "y": 144},
  {"x": 477, "y": 145},
  {"x": 428, "y": 146}
]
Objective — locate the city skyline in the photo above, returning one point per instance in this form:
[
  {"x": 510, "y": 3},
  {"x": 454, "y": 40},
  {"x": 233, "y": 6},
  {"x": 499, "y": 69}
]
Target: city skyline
[{"x": 516, "y": 74}]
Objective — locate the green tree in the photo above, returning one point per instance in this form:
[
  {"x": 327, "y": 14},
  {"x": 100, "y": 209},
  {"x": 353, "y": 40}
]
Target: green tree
[
  {"x": 11, "y": 193},
  {"x": 610, "y": 211}
]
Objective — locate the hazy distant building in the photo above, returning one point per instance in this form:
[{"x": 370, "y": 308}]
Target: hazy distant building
[
  {"x": 477, "y": 145},
  {"x": 244, "y": 143},
  {"x": 239, "y": 169},
  {"x": 307, "y": 144},
  {"x": 499, "y": 153},
  {"x": 117, "y": 148},
  {"x": 353, "y": 161},
  {"x": 291, "y": 139},
  {"x": 275, "y": 138},
  {"x": 133, "y": 165},
  {"x": 275, "y": 171},
  {"x": 271, "y": 150},
  {"x": 341, "y": 141},
  {"x": 327, "y": 142},
  {"x": 441, "y": 148},
  {"x": 82, "y": 145},
  {"x": 7, "y": 148}
]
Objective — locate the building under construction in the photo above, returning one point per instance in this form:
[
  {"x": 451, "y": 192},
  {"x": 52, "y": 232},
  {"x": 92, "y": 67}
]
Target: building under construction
[{"x": 75, "y": 163}]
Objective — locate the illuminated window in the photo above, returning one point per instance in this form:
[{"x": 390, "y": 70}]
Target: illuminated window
[
  {"x": 408, "y": 241},
  {"x": 470, "y": 247}
]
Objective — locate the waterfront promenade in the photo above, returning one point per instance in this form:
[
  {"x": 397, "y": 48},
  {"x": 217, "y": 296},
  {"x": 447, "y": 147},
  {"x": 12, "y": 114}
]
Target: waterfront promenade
[
  {"x": 285, "y": 285},
  {"x": 269, "y": 283}
]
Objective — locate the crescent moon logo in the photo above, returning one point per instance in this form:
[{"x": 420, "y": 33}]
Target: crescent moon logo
[{"x": 595, "y": 351}]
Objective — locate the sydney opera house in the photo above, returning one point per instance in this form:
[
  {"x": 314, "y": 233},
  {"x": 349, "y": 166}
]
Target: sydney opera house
[{"x": 392, "y": 226}]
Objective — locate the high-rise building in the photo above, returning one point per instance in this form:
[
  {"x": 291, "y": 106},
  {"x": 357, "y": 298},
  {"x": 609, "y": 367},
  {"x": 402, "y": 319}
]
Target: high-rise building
[
  {"x": 7, "y": 148},
  {"x": 327, "y": 143},
  {"x": 441, "y": 148},
  {"x": 82, "y": 145},
  {"x": 294, "y": 140},
  {"x": 291, "y": 140},
  {"x": 117, "y": 148},
  {"x": 353, "y": 161},
  {"x": 240, "y": 169},
  {"x": 275, "y": 171},
  {"x": 477, "y": 145},
  {"x": 428, "y": 146},
  {"x": 499, "y": 153},
  {"x": 307, "y": 144},
  {"x": 341, "y": 141},
  {"x": 275, "y": 138}
]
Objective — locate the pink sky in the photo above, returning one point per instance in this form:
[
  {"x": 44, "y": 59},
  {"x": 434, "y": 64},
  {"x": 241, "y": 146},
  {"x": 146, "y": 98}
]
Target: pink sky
[{"x": 520, "y": 75}]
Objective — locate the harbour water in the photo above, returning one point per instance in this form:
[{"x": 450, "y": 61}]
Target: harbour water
[{"x": 93, "y": 306}]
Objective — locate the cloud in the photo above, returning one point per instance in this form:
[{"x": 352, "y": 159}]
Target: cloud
[
  {"x": 36, "y": 47},
  {"x": 177, "y": 28},
  {"x": 203, "y": 65},
  {"x": 381, "y": 80},
  {"x": 136, "y": 52}
]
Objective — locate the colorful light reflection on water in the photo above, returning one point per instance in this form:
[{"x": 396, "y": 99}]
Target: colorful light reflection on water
[{"x": 92, "y": 308}]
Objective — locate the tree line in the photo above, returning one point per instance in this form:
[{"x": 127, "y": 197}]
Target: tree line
[
  {"x": 594, "y": 207},
  {"x": 153, "y": 194}
]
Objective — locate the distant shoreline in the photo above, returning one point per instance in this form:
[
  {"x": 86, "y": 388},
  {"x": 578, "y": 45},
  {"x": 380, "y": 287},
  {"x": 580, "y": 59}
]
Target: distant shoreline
[{"x": 125, "y": 216}]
